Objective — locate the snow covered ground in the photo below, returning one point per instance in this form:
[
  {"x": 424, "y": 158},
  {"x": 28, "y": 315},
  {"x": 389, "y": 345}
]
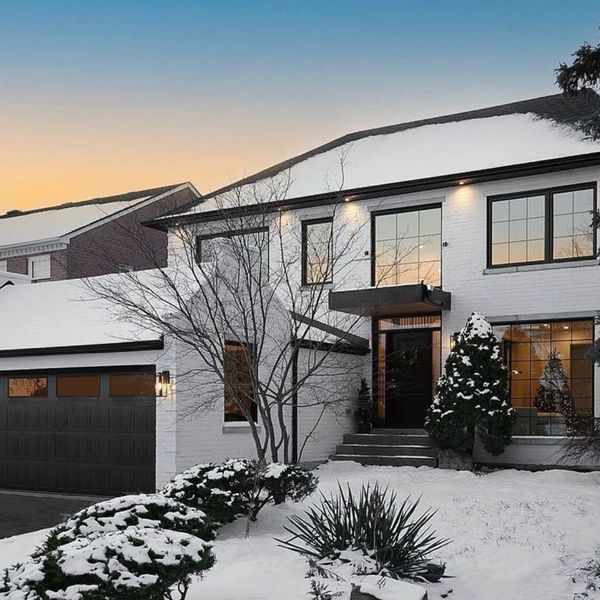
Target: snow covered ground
[{"x": 516, "y": 534}]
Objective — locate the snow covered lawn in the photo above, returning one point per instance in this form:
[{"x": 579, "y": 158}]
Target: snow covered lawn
[{"x": 515, "y": 535}]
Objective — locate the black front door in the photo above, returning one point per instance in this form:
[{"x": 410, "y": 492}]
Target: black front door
[{"x": 407, "y": 378}]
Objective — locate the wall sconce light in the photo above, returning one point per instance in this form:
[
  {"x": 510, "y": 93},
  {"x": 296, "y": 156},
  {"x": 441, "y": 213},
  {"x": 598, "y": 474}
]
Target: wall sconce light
[
  {"x": 163, "y": 384},
  {"x": 453, "y": 339}
]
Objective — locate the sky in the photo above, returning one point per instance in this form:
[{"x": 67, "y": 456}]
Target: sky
[{"x": 100, "y": 98}]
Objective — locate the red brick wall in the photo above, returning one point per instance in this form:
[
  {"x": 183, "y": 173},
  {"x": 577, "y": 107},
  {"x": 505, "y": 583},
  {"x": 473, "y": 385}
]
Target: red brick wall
[{"x": 124, "y": 241}]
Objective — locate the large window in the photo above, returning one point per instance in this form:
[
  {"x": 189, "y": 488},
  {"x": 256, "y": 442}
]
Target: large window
[
  {"x": 543, "y": 226},
  {"x": 549, "y": 376},
  {"x": 408, "y": 247},
  {"x": 317, "y": 251},
  {"x": 238, "y": 391}
]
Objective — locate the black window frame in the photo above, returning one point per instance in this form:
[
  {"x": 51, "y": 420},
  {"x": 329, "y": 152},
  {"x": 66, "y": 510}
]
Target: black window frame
[
  {"x": 305, "y": 225},
  {"x": 250, "y": 353},
  {"x": 393, "y": 211},
  {"x": 548, "y": 194},
  {"x": 226, "y": 234}
]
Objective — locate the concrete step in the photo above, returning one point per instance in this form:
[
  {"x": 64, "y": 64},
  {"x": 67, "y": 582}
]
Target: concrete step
[
  {"x": 388, "y": 439},
  {"x": 397, "y": 431},
  {"x": 387, "y": 450},
  {"x": 391, "y": 461}
]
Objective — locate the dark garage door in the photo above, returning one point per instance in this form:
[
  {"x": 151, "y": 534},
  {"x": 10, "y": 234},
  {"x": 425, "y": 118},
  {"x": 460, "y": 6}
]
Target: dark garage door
[{"x": 91, "y": 432}]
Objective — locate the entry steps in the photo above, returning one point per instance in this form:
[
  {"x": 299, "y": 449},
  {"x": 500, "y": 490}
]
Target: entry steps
[{"x": 391, "y": 447}]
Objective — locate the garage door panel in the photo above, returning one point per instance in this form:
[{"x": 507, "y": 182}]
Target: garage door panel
[{"x": 103, "y": 445}]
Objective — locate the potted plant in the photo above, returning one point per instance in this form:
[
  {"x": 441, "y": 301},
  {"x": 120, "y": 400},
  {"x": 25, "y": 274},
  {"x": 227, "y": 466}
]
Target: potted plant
[{"x": 365, "y": 408}]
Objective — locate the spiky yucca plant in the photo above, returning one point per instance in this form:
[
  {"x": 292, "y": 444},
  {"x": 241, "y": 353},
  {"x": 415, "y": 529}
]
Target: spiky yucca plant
[{"x": 374, "y": 522}]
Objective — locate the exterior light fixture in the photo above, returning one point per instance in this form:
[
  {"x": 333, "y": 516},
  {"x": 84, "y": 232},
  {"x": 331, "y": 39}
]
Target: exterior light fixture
[
  {"x": 347, "y": 199},
  {"x": 462, "y": 182},
  {"x": 163, "y": 384}
]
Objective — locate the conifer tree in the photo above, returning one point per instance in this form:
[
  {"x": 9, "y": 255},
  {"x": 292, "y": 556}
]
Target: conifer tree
[
  {"x": 472, "y": 395},
  {"x": 553, "y": 394}
]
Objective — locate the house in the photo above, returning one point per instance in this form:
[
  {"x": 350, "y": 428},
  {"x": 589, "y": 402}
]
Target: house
[
  {"x": 489, "y": 210},
  {"x": 90, "y": 237}
]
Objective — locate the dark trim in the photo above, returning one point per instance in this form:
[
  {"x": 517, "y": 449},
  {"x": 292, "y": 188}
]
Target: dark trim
[
  {"x": 356, "y": 340},
  {"x": 336, "y": 347},
  {"x": 304, "y": 257},
  {"x": 548, "y": 194},
  {"x": 117, "y": 370},
  {"x": 391, "y": 189},
  {"x": 295, "y": 404},
  {"x": 86, "y": 349},
  {"x": 394, "y": 211}
]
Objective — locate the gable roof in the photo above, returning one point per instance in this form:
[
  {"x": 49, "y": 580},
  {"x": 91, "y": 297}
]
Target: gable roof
[
  {"x": 54, "y": 222},
  {"x": 523, "y": 132}
]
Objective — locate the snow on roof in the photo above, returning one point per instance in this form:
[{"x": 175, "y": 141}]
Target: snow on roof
[
  {"x": 60, "y": 313},
  {"x": 432, "y": 150},
  {"x": 520, "y": 132},
  {"x": 54, "y": 222}
]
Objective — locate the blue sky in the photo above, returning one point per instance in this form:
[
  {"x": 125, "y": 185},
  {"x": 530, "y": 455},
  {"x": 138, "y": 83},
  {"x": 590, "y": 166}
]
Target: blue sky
[{"x": 101, "y": 96}]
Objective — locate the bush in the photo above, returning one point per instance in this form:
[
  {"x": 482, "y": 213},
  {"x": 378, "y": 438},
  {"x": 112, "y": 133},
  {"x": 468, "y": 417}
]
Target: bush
[
  {"x": 143, "y": 510},
  {"x": 139, "y": 563},
  {"x": 376, "y": 525},
  {"x": 239, "y": 487}
]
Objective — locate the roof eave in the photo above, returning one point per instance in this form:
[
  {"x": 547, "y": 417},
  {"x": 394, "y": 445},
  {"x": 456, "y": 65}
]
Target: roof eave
[{"x": 389, "y": 189}]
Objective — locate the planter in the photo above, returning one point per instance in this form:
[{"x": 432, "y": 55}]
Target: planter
[{"x": 450, "y": 459}]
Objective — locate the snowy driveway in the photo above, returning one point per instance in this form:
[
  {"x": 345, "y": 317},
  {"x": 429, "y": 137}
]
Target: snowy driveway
[{"x": 25, "y": 512}]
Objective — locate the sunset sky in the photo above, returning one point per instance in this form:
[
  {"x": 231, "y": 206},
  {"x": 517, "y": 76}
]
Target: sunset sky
[{"x": 99, "y": 98}]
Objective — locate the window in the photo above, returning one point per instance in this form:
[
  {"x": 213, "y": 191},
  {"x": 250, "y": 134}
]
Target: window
[
  {"x": 27, "y": 387},
  {"x": 317, "y": 251},
  {"x": 257, "y": 240},
  {"x": 3, "y": 265},
  {"x": 408, "y": 247},
  {"x": 133, "y": 384},
  {"x": 39, "y": 267},
  {"x": 543, "y": 226},
  {"x": 238, "y": 387},
  {"x": 83, "y": 386},
  {"x": 528, "y": 350}
]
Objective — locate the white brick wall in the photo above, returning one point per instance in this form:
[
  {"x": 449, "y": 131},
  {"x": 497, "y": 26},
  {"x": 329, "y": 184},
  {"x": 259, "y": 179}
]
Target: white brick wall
[{"x": 541, "y": 292}]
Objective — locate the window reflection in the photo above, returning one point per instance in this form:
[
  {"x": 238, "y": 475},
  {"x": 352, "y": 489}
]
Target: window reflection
[
  {"x": 408, "y": 247},
  {"x": 535, "y": 350}
]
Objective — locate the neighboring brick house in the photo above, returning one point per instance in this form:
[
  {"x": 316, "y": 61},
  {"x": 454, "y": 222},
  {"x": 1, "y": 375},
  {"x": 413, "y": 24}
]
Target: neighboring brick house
[{"x": 91, "y": 237}]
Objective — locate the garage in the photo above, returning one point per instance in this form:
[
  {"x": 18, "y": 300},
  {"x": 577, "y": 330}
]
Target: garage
[{"x": 85, "y": 431}]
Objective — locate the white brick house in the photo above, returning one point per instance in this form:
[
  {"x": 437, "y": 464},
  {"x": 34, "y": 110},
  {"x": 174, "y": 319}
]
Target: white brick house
[{"x": 487, "y": 211}]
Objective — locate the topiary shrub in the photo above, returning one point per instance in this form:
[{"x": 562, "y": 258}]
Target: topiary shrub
[
  {"x": 118, "y": 514},
  {"x": 239, "y": 487},
  {"x": 373, "y": 531},
  {"x": 139, "y": 563}
]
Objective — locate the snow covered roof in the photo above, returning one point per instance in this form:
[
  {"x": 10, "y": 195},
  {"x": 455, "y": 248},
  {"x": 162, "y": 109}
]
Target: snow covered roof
[
  {"x": 506, "y": 135},
  {"x": 60, "y": 314},
  {"x": 51, "y": 223}
]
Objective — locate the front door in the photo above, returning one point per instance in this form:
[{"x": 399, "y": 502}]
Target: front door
[{"x": 408, "y": 377}]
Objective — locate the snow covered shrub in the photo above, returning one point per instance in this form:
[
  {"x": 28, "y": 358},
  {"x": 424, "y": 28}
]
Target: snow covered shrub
[
  {"x": 143, "y": 510},
  {"x": 218, "y": 490},
  {"x": 472, "y": 395},
  {"x": 139, "y": 563},
  {"x": 240, "y": 487},
  {"x": 374, "y": 531}
]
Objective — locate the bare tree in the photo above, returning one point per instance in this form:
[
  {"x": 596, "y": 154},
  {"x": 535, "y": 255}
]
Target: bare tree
[{"x": 251, "y": 314}]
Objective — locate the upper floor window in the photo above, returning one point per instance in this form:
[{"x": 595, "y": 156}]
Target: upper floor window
[
  {"x": 408, "y": 247},
  {"x": 317, "y": 251},
  {"x": 543, "y": 226},
  {"x": 39, "y": 267},
  {"x": 249, "y": 245},
  {"x": 3, "y": 265}
]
